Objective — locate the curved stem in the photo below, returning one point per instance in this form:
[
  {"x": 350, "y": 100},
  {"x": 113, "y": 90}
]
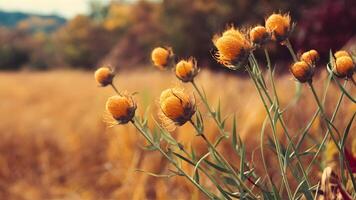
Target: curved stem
[
  {"x": 274, "y": 133},
  {"x": 212, "y": 147},
  {"x": 171, "y": 160},
  {"x": 115, "y": 89}
]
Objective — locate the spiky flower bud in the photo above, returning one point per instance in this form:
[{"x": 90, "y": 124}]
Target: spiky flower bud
[
  {"x": 310, "y": 57},
  {"x": 341, "y": 53},
  {"x": 160, "y": 57},
  {"x": 186, "y": 70},
  {"x": 176, "y": 106},
  {"x": 121, "y": 108},
  {"x": 233, "y": 47},
  {"x": 302, "y": 71},
  {"x": 344, "y": 66},
  {"x": 104, "y": 76},
  {"x": 279, "y": 25},
  {"x": 259, "y": 35}
]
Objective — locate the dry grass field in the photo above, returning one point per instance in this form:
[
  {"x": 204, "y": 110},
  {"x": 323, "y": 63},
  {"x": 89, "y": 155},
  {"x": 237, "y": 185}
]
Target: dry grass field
[{"x": 54, "y": 144}]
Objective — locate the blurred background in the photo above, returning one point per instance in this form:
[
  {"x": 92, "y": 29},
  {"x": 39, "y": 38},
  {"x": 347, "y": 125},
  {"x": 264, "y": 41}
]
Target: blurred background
[{"x": 54, "y": 143}]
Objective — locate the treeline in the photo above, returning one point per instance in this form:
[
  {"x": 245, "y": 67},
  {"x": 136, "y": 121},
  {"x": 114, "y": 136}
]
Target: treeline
[{"x": 123, "y": 34}]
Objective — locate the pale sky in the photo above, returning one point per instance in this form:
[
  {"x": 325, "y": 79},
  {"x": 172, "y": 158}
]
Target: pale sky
[{"x": 65, "y": 8}]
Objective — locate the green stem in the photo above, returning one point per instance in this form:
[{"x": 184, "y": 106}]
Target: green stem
[
  {"x": 280, "y": 118},
  {"x": 212, "y": 147},
  {"x": 341, "y": 153},
  {"x": 171, "y": 160},
  {"x": 211, "y": 112},
  {"x": 274, "y": 133},
  {"x": 115, "y": 89},
  {"x": 291, "y": 51}
]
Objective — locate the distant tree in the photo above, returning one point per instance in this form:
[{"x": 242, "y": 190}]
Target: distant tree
[{"x": 81, "y": 43}]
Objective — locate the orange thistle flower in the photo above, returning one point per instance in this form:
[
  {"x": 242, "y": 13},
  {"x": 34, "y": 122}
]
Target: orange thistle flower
[
  {"x": 341, "y": 53},
  {"x": 186, "y": 70},
  {"x": 233, "y": 47},
  {"x": 302, "y": 71},
  {"x": 279, "y": 25},
  {"x": 104, "y": 76},
  {"x": 176, "y": 106},
  {"x": 259, "y": 35},
  {"x": 121, "y": 108},
  {"x": 344, "y": 66},
  {"x": 160, "y": 57},
  {"x": 310, "y": 57}
]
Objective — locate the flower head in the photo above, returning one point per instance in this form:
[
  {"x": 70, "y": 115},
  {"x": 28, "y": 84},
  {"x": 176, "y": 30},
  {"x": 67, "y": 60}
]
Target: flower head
[
  {"x": 279, "y": 25},
  {"x": 233, "y": 47},
  {"x": 310, "y": 57},
  {"x": 121, "y": 108},
  {"x": 341, "y": 53},
  {"x": 176, "y": 106},
  {"x": 344, "y": 66},
  {"x": 186, "y": 70},
  {"x": 302, "y": 71},
  {"x": 104, "y": 76},
  {"x": 259, "y": 35},
  {"x": 160, "y": 57}
]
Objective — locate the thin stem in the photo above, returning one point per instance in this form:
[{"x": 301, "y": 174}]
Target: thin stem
[
  {"x": 212, "y": 147},
  {"x": 341, "y": 153},
  {"x": 115, "y": 89},
  {"x": 274, "y": 133},
  {"x": 327, "y": 132},
  {"x": 172, "y": 161},
  {"x": 291, "y": 51},
  {"x": 211, "y": 112}
]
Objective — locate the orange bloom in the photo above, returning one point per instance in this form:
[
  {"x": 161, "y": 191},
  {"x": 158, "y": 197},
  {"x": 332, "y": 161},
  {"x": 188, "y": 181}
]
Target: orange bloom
[
  {"x": 186, "y": 70},
  {"x": 341, "y": 53},
  {"x": 344, "y": 66},
  {"x": 176, "y": 106},
  {"x": 103, "y": 76},
  {"x": 160, "y": 57},
  {"x": 121, "y": 108},
  {"x": 302, "y": 71},
  {"x": 259, "y": 35},
  {"x": 310, "y": 57},
  {"x": 279, "y": 25},
  {"x": 232, "y": 46}
]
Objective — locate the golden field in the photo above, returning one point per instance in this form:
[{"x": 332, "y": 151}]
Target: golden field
[{"x": 55, "y": 144}]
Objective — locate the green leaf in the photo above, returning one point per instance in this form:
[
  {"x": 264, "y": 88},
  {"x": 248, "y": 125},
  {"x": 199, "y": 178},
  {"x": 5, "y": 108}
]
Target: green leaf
[
  {"x": 218, "y": 167},
  {"x": 156, "y": 175}
]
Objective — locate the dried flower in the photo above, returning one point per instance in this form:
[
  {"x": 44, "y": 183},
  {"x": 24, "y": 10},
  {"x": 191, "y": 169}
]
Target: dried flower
[
  {"x": 344, "y": 66},
  {"x": 176, "y": 106},
  {"x": 160, "y": 57},
  {"x": 302, "y": 71},
  {"x": 341, "y": 53},
  {"x": 310, "y": 57},
  {"x": 104, "y": 76},
  {"x": 279, "y": 25},
  {"x": 186, "y": 70},
  {"x": 121, "y": 108},
  {"x": 259, "y": 35},
  {"x": 233, "y": 47}
]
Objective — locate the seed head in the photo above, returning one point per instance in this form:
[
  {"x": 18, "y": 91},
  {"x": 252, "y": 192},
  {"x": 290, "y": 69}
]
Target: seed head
[
  {"x": 341, "y": 53},
  {"x": 232, "y": 46},
  {"x": 302, "y": 71},
  {"x": 160, "y": 57},
  {"x": 344, "y": 66},
  {"x": 104, "y": 76},
  {"x": 310, "y": 57},
  {"x": 121, "y": 108},
  {"x": 186, "y": 70},
  {"x": 176, "y": 106},
  {"x": 279, "y": 25},
  {"x": 259, "y": 35}
]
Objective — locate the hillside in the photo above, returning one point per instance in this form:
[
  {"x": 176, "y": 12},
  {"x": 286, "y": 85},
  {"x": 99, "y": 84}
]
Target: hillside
[{"x": 45, "y": 23}]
